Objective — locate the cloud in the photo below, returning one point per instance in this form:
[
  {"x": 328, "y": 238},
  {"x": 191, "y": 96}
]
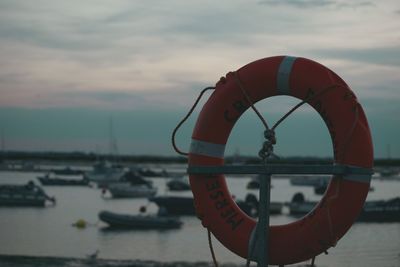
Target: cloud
[
  {"x": 317, "y": 3},
  {"x": 164, "y": 52},
  {"x": 355, "y": 4},
  {"x": 299, "y": 3},
  {"x": 386, "y": 56}
]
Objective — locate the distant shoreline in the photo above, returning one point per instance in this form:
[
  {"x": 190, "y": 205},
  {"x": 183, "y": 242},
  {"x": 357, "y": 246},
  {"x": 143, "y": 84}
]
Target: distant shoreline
[
  {"x": 83, "y": 158},
  {"x": 46, "y": 261}
]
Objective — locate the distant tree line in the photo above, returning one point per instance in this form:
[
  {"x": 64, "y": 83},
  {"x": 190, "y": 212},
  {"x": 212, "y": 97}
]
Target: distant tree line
[{"x": 92, "y": 157}]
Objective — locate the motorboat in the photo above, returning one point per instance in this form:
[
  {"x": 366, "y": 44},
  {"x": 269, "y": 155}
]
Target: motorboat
[
  {"x": 178, "y": 184},
  {"x": 140, "y": 221},
  {"x": 184, "y": 205},
  {"x": 254, "y": 183},
  {"x": 105, "y": 173},
  {"x": 67, "y": 171},
  {"x": 132, "y": 186},
  {"x": 299, "y": 205},
  {"x": 175, "y": 205},
  {"x": 309, "y": 180},
  {"x": 146, "y": 172},
  {"x": 372, "y": 211},
  {"x": 251, "y": 200},
  {"x": 389, "y": 173},
  {"x": 381, "y": 211},
  {"x": 321, "y": 188},
  {"x": 129, "y": 190},
  {"x": 23, "y": 195},
  {"x": 58, "y": 181},
  {"x": 133, "y": 177}
]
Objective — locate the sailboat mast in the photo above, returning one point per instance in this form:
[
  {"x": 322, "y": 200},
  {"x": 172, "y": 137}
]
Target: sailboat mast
[
  {"x": 110, "y": 138},
  {"x": 388, "y": 151},
  {"x": 113, "y": 148},
  {"x": 3, "y": 143}
]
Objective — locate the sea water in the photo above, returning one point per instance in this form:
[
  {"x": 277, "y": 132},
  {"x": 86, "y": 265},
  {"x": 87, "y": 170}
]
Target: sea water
[{"x": 48, "y": 231}]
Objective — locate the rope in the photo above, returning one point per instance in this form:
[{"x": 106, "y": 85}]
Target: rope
[
  {"x": 310, "y": 97},
  {"x": 210, "y": 245},
  {"x": 177, "y": 150},
  {"x": 313, "y": 262},
  {"x": 239, "y": 83}
]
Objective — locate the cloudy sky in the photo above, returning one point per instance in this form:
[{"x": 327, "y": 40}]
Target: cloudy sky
[{"x": 68, "y": 67}]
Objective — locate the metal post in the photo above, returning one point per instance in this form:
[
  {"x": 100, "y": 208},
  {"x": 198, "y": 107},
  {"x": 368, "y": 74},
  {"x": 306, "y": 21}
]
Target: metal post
[{"x": 263, "y": 220}]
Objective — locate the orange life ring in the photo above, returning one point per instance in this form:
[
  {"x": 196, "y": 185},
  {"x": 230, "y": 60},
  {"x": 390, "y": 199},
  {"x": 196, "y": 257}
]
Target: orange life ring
[{"x": 352, "y": 146}]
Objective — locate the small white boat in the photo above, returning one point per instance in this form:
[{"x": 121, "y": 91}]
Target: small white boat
[
  {"x": 127, "y": 190},
  {"x": 105, "y": 173},
  {"x": 309, "y": 180}
]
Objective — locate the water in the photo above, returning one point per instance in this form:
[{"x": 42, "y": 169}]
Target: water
[{"x": 49, "y": 232}]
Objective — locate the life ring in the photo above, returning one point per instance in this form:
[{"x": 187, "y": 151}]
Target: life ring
[{"x": 352, "y": 145}]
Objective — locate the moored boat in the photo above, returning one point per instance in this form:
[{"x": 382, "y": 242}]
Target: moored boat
[
  {"x": 372, "y": 211},
  {"x": 104, "y": 173},
  {"x": 178, "y": 184},
  {"x": 381, "y": 211},
  {"x": 254, "y": 183},
  {"x": 132, "y": 186},
  {"x": 146, "y": 172},
  {"x": 67, "y": 171},
  {"x": 128, "y": 190},
  {"x": 184, "y": 205},
  {"x": 251, "y": 200},
  {"x": 389, "y": 174},
  {"x": 299, "y": 205},
  {"x": 320, "y": 189},
  {"x": 140, "y": 221},
  {"x": 58, "y": 181},
  {"x": 23, "y": 195},
  {"x": 309, "y": 180},
  {"x": 175, "y": 205}
]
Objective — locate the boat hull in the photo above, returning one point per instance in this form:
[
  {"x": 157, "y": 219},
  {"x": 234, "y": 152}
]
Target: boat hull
[
  {"x": 129, "y": 191},
  {"x": 14, "y": 201},
  {"x": 139, "y": 221},
  {"x": 373, "y": 211},
  {"x": 62, "y": 182},
  {"x": 175, "y": 205},
  {"x": 29, "y": 195}
]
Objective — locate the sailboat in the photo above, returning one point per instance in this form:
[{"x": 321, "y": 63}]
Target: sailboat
[
  {"x": 389, "y": 172},
  {"x": 105, "y": 172}
]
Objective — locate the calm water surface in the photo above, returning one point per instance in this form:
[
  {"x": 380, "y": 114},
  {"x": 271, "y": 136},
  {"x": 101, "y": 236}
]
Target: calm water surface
[{"x": 48, "y": 231}]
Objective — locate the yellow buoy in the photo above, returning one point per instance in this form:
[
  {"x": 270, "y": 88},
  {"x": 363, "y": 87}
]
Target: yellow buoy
[{"x": 81, "y": 223}]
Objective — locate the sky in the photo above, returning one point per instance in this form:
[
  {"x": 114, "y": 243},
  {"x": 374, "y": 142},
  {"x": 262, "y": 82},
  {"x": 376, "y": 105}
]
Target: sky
[{"x": 68, "y": 68}]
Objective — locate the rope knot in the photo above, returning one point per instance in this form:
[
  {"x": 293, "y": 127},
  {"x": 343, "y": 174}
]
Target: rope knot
[
  {"x": 267, "y": 149},
  {"x": 269, "y": 134}
]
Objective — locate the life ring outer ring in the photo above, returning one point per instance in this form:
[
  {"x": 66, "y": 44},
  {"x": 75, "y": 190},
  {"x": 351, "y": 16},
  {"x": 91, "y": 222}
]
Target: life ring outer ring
[{"x": 352, "y": 145}]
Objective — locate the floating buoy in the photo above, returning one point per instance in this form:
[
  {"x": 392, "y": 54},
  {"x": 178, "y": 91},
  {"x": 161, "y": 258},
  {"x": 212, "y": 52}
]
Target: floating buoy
[
  {"x": 344, "y": 117},
  {"x": 142, "y": 209},
  {"x": 81, "y": 223}
]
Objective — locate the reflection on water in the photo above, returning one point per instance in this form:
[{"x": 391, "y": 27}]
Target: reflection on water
[{"x": 49, "y": 232}]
